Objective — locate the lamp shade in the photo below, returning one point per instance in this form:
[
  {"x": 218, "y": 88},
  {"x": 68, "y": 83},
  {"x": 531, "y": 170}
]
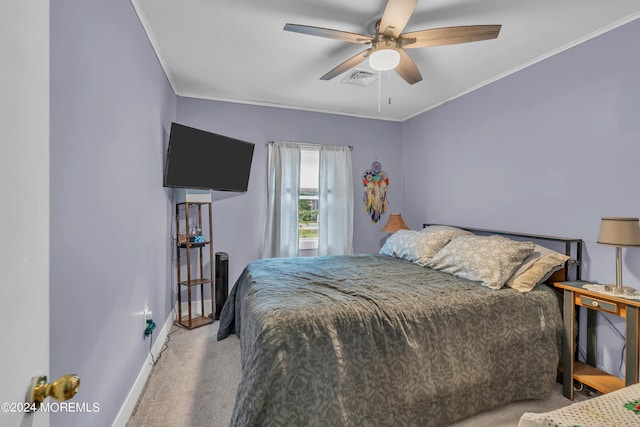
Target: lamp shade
[
  {"x": 619, "y": 231},
  {"x": 394, "y": 223}
]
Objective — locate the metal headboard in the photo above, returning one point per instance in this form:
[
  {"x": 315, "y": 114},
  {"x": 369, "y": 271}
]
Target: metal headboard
[{"x": 572, "y": 247}]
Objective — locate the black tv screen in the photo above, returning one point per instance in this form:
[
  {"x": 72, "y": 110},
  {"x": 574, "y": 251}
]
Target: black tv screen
[{"x": 201, "y": 159}]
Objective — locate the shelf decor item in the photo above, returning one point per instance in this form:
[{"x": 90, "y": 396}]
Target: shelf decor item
[
  {"x": 619, "y": 232},
  {"x": 375, "y": 182}
]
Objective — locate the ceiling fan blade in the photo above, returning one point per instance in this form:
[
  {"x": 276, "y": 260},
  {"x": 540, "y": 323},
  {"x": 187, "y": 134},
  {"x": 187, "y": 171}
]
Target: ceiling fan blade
[
  {"x": 449, "y": 35},
  {"x": 395, "y": 16},
  {"x": 407, "y": 69},
  {"x": 328, "y": 33},
  {"x": 347, "y": 65}
]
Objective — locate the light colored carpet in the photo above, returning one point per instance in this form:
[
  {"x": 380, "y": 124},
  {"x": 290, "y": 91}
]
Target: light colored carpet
[{"x": 194, "y": 383}]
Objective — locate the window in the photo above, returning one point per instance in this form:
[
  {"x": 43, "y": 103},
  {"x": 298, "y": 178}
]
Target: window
[
  {"x": 310, "y": 198},
  {"x": 308, "y": 201}
]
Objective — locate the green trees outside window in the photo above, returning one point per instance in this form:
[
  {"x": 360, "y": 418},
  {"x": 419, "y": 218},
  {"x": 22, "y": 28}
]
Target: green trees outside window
[{"x": 308, "y": 215}]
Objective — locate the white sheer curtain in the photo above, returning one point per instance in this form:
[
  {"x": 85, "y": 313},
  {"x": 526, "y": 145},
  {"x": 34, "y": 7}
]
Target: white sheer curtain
[
  {"x": 335, "y": 202},
  {"x": 281, "y": 234}
]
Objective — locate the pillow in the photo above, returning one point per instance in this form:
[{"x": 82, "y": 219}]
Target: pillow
[
  {"x": 536, "y": 268},
  {"x": 457, "y": 232},
  {"x": 490, "y": 260},
  {"x": 415, "y": 246}
]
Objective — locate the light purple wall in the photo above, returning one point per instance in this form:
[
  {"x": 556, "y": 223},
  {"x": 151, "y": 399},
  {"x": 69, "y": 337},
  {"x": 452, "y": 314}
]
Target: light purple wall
[
  {"x": 547, "y": 150},
  {"x": 239, "y": 221},
  {"x": 111, "y": 108}
]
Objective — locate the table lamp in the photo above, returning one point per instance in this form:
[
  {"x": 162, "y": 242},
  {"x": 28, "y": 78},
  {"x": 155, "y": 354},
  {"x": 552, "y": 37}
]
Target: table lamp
[
  {"x": 619, "y": 232},
  {"x": 394, "y": 223}
]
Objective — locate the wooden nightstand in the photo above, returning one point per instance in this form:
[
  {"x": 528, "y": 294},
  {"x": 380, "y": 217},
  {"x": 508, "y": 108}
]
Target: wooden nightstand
[{"x": 586, "y": 373}]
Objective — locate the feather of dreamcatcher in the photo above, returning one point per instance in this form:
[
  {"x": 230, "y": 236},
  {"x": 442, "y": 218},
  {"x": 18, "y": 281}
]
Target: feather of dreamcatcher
[{"x": 383, "y": 197}]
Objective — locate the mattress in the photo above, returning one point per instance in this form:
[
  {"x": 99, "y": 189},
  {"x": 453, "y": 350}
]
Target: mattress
[{"x": 372, "y": 340}]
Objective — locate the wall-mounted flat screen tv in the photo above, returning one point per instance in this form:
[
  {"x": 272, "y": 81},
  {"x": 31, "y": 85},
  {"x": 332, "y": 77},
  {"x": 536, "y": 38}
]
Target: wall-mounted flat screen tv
[{"x": 203, "y": 160}]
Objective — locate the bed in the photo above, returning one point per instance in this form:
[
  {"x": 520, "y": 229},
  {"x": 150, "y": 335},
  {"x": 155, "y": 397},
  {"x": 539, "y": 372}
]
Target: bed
[{"x": 379, "y": 339}]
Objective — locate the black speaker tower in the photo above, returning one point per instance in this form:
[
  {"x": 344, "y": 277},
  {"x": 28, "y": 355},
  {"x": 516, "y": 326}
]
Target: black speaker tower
[{"x": 222, "y": 281}]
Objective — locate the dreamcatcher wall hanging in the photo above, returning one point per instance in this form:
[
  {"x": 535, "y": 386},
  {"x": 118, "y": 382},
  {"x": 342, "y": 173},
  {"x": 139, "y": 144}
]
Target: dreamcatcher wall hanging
[{"x": 375, "y": 182}]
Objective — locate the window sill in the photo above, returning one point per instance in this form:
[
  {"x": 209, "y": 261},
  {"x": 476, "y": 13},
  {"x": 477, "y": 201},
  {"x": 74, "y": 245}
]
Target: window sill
[{"x": 308, "y": 243}]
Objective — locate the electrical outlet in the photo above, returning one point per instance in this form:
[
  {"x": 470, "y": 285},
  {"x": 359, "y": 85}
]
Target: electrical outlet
[
  {"x": 146, "y": 314},
  {"x": 149, "y": 324}
]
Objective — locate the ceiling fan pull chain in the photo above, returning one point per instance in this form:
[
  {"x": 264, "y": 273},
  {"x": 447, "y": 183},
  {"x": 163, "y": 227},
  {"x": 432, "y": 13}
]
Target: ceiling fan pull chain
[
  {"x": 379, "y": 78},
  {"x": 389, "y": 86}
]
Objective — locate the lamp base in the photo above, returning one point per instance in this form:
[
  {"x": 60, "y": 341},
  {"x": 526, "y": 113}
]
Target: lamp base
[{"x": 624, "y": 290}]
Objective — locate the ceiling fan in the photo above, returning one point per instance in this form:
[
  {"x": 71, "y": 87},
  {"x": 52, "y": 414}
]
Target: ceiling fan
[{"x": 388, "y": 44}]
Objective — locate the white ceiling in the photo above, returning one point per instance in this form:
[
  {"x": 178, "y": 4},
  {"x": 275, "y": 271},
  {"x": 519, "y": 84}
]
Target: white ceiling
[{"x": 237, "y": 51}]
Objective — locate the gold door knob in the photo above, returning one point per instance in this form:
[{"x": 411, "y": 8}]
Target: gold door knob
[{"x": 64, "y": 388}]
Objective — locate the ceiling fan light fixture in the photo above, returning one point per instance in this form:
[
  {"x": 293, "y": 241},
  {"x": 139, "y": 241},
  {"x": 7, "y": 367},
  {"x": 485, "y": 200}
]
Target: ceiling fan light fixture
[{"x": 384, "y": 59}]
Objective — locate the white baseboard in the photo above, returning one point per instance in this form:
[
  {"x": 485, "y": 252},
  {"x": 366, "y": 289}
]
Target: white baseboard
[
  {"x": 132, "y": 398},
  {"x": 138, "y": 386}
]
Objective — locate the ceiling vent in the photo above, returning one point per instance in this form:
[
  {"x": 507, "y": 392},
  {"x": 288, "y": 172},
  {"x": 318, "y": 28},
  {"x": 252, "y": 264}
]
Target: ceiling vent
[{"x": 361, "y": 77}]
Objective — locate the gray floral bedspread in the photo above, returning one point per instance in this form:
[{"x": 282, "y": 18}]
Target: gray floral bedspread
[{"x": 371, "y": 340}]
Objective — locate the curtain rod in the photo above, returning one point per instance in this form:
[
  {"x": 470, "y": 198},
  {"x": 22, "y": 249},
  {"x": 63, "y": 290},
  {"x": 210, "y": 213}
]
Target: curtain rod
[{"x": 311, "y": 145}]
